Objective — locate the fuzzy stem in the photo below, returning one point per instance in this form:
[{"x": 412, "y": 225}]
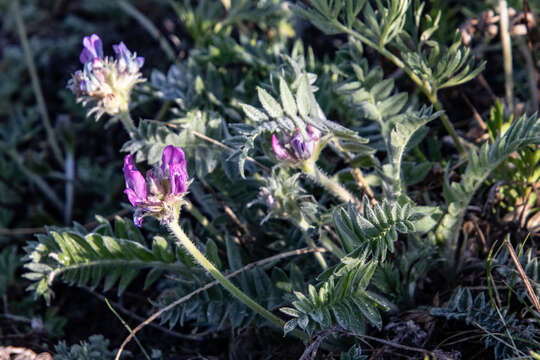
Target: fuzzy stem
[
  {"x": 446, "y": 123},
  {"x": 227, "y": 284},
  {"x": 315, "y": 174},
  {"x": 51, "y": 138},
  {"x": 128, "y": 123},
  {"x": 304, "y": 226}
]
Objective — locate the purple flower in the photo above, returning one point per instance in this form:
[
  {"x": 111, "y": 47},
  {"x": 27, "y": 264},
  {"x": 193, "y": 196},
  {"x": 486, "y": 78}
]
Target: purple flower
[
  {"x": 279, "y": 150},
  {"x": 93, "y": 49},
  {"x": 298, "y": 148},
  {"x": 302, "y": 149},
  {"x": 133, "y": 63},
  {"x": 174, "y": 160},
  {"x": 104, "y": 81},
  {"x": 161, "y": 194},
  {"x": 135, "y": 183}
]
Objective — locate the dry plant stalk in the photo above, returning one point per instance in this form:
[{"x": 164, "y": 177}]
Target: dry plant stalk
[{"x": 524, "y": 277}]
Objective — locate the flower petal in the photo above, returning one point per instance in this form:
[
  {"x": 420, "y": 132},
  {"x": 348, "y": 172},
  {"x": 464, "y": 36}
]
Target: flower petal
[
  {"x": 139, "y": 60},
  {"x": 302, "y": 149},
  {"x": 121, "y": 50},
  {"x": 135, "y": 183},
  {"x": 279, "y": 150},
  {"x": 313, "y": 133},
  {"x": 86, "y": 56},
  {"x": 93, "y": 48},
  {"x": 178, "y": 176},
  {"x": 172, "y": 155}
]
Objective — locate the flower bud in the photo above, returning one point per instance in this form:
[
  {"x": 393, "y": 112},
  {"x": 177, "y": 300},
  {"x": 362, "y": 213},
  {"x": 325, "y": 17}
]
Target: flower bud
[{"x": 296, "y": 149}]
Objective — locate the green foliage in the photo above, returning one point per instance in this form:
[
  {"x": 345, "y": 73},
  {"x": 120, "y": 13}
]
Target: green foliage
[
  {"x": 216, "y": 308},
  {"x": 209, "y": 18},
  {"x": 354, "y": 353},
  {"x": 296, "y": 109},
  {"x": 397, "y": 23},
  {"x": 503, "y": 331},
  {"x": 235, "y": 81},
  {"x": 96, "y": 348},
  {"x": 397, "y": 280},
  {"x": 402, "y": 139},
  {"x": 375, "y": 228},
  {"x": 521, "y": 133},
  {"x": 400, "y": 126},
  {"x": 373, "y": 96},
  {"x": 437, "y": 66},
  {"x": 523, "y": 169},
  {"x": 341, "y": 299},
  {"x": 152, "y": 137},
  {"x": 104, "y": 255},
  {"x": 505, "y": 266}
]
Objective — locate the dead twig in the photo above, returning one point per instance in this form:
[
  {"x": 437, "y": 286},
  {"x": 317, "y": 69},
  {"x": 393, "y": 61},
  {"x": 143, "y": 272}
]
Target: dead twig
[{"x": 192, "y": 337}]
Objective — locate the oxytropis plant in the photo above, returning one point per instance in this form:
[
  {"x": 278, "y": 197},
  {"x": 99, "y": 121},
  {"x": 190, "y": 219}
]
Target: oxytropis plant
[{"x": 268, "y": 159}]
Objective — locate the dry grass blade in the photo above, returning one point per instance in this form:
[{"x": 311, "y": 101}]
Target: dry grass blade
[{"x": 522, "y": 274}]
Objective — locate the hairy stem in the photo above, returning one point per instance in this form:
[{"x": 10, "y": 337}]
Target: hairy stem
[
  {"x": 447, "y": 123},
  {"x": 315, "y": 174},
  {"x": 128, "y": 123},
  {"x": 226, "y": 283},
  {"x": 304, "y": 226},
  {"x": 51, "y": 138}
]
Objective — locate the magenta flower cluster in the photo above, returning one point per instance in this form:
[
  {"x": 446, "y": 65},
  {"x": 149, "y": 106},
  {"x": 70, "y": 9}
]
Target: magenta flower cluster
[
  {"x": 161, "y": 193},
  {"x": 296, "y": 148},
  {"x": 107, "y": 81}
]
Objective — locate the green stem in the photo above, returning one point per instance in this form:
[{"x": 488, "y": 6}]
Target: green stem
[
  {"x": 447, "y": 124},
  {"x": 128, "y": 328},
  {"x": 236, "y": 292},
  {"x": 314, "y": 173},
  {"x": 126, "y": 120},
  {"x": 304, "y": 227},
  {"x": 318, "y": 256},
  {"x": 423, "y": 85},
  {"x": 51, "y": 138}
]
